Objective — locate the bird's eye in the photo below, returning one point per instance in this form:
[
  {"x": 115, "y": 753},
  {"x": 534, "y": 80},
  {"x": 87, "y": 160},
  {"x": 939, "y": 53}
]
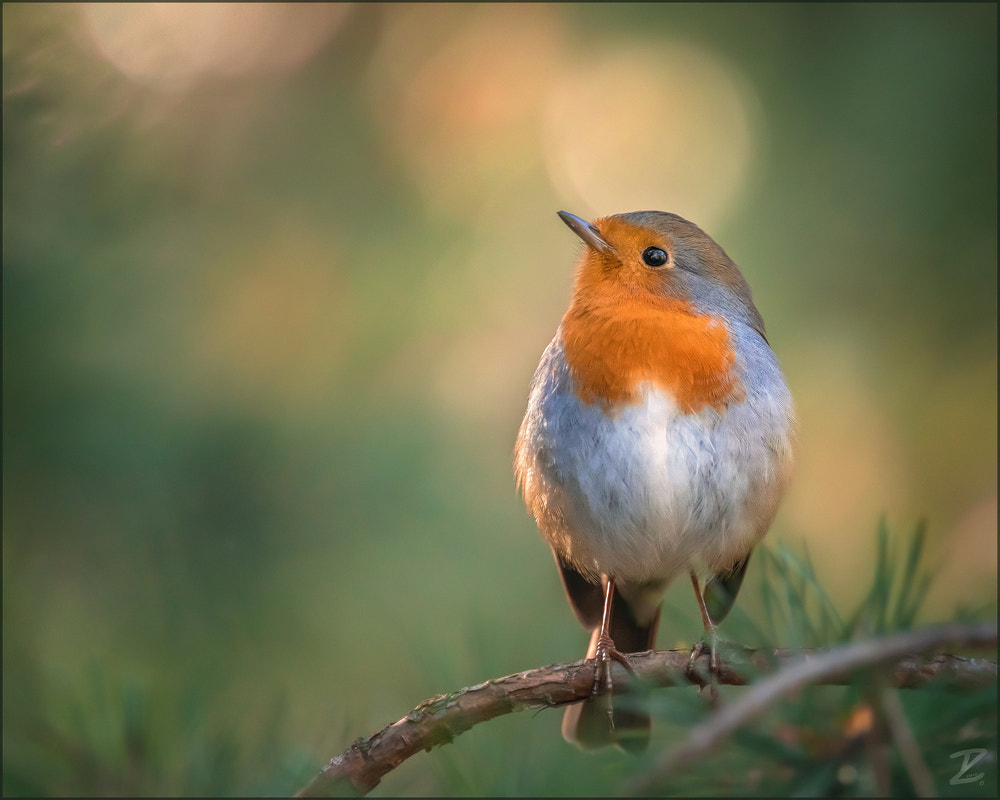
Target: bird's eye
[{"x": 654, "y": 256}]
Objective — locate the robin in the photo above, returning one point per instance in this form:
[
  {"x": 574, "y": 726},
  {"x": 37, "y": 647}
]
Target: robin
[{"x": 658, "y": 440}]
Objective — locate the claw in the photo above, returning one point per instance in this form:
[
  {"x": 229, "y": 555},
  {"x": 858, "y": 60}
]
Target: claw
[
  {"x": 713, "y": 668},
  {"x": 605, "y": 653},
  {"x": 712, "y": 634}
]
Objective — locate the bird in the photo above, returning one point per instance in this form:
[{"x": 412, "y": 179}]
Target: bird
[{"x": 658, "y": 440}]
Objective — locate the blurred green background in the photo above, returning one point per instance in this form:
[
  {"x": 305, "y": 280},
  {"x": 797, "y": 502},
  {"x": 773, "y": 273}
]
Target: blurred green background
[{"x": 275, "y": 280}]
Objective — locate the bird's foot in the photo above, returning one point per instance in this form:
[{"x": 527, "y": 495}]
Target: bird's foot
[
  {"x": 606, "y": 653},
  {"x": 713, "y": 664}
]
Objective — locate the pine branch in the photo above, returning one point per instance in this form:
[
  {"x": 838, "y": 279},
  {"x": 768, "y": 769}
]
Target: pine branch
[
  {"x": 437, "y": 721},
  {"x": 832, "y": 667}
]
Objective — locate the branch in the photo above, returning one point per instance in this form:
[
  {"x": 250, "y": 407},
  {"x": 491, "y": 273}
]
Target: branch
[
  {"x": 437, "y": 721},
  {"x": 909, "y": 750},
  {"x": 831, "y": 667}
]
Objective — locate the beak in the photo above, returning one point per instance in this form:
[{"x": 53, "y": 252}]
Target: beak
[{"x": 589, "y": 233}]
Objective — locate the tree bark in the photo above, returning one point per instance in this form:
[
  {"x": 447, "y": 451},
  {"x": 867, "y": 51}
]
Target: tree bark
[{"x": 901, "y": 657}]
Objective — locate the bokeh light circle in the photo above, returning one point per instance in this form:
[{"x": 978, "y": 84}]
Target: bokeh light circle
[
  {"x": 171, "y": 46},
  {"x": 458, "y": 91},
  {"x": 672, "y": 128}
]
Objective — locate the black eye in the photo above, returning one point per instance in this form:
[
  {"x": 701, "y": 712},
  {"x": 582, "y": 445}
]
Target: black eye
[{"x": 654, "y": 256}]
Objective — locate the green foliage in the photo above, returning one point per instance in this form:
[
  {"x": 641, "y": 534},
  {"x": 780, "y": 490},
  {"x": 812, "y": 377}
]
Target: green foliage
[
  {"x": 123, "y": 736},
  {"x": 835, "y": 740},
  {"x": 266, "y": 343},
  {"x": 800, "y": 610}
]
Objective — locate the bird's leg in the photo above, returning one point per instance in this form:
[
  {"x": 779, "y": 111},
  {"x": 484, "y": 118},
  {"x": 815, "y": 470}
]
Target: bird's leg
[
  {"x": 713, "y": 640},
  {"x": 606, "y": 652}
]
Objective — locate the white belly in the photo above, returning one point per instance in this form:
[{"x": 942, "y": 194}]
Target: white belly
[{"x": 649, "y": 491}]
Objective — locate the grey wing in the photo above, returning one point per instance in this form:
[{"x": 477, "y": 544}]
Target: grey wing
[
  {"x": 720, "y": 592},
  {"x": 585, "y": 598}
]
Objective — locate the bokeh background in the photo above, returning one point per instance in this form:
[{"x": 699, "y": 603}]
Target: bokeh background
[{"x": 276, "y": 277}]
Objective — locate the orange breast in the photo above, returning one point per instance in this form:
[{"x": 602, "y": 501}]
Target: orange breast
[{"x": 615, "y": 339}]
